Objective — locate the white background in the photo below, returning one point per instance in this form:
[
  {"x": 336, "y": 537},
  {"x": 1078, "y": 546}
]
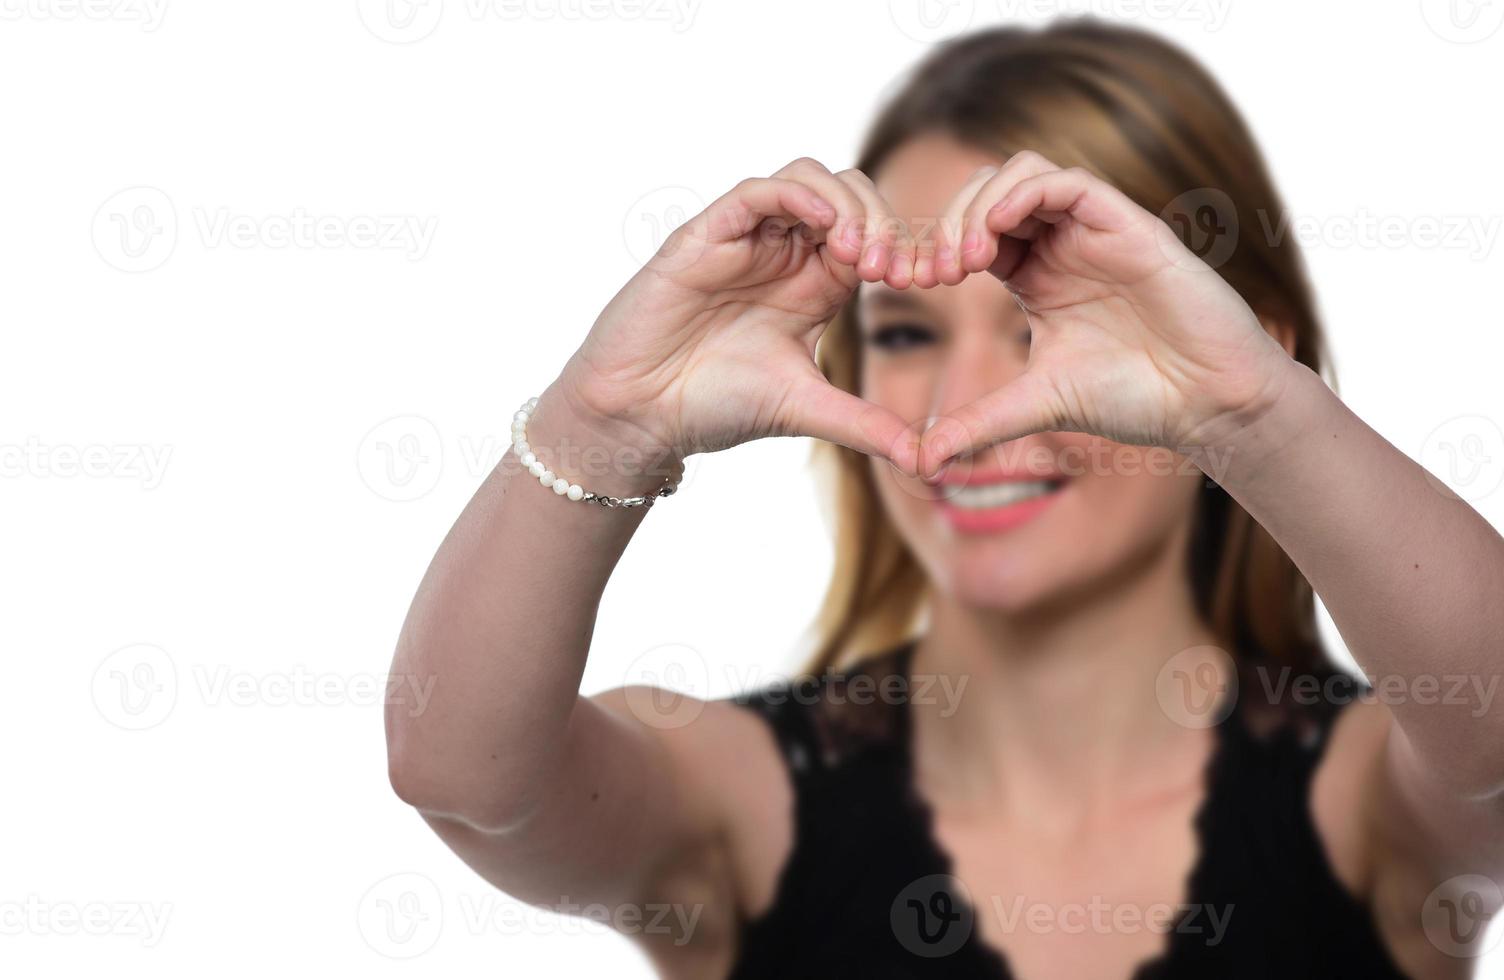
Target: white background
[{"x": 212, "y": 526}]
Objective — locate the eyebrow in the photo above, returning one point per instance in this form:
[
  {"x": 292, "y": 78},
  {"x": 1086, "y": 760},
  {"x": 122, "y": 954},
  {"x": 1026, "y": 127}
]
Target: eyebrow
[{"x": 882, "y": 297}]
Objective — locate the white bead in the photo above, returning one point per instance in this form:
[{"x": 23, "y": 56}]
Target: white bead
[
  {"x": 536, "y": 468},
  {"x": 561, "y": 486},
  {"x": 520, "y": 417},
  {"x": 523, "y": 447},
  {"x": 528, "y": 459},
  {"x": 547, "y": 478},
  {"x": 532, "y": 402},
  {"x": 575, "y": 492}
]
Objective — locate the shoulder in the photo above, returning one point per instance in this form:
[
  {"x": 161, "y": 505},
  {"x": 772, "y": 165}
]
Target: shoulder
[
  {"x": 728, "y": 780},
  {"x": 741, "y": 765},
  {"x": 1408, "y": 849}
]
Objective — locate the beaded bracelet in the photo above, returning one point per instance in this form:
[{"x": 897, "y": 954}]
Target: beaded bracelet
[{"x": 561, "y": 486}]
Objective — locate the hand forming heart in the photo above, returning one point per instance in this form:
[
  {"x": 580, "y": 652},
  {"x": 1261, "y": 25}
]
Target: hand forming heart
[{"x": 1134, "y": 338}]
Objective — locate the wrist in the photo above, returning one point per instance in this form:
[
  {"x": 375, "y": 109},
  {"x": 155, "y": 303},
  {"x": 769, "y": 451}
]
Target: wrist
[
  {"x": 1240, "y": 443},
  {"x": 603, "y": 456}
]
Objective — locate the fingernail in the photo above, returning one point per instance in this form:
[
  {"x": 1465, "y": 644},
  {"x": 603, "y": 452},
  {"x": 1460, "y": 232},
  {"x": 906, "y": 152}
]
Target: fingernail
[
  {"x": 934, "y": 478},
  {"x": 972, "y": 242},
  {"x": 944, "y": 255},
  {"x": 852, "y": 236}
]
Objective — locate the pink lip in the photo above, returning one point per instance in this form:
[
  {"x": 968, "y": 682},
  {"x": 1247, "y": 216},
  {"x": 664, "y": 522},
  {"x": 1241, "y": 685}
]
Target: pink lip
[
  {"x": 994, "y": 519},
  {"x": 960, "y": 475}
]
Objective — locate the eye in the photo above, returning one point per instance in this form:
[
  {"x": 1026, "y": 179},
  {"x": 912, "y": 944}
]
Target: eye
[{"x": 897, "y": 337}]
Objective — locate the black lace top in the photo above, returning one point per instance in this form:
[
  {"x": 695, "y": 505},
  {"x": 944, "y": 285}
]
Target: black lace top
[{"x": 867, "y": 892}]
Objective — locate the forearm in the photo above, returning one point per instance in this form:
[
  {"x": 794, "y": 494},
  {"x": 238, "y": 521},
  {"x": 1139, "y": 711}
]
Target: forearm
[
  {"x": 502, "y": 622},
  {"x": 1412, "y": 576}
]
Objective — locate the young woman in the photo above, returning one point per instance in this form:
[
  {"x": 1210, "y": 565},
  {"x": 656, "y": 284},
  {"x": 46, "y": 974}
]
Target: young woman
[{"x": 1081, "y": 475}]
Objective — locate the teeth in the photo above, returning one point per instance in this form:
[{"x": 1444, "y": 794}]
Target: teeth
[{"x": 998, "y": 494}]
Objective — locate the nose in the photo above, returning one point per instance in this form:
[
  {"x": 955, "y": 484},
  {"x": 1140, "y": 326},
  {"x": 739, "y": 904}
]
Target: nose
[{"x": 982, "y": 357}]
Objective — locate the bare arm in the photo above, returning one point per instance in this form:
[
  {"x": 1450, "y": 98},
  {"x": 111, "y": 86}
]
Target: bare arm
[
  {"x": 1412, "y": 576},
  {"x": 1409, "y": 799},
  {"x": 557, "y": 798}
]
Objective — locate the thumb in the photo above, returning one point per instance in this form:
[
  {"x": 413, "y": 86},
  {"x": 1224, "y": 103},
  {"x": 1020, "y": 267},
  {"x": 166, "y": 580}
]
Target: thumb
[
  {"x": 819, "y": 409},
  {"x": 1022, "y": 407}
]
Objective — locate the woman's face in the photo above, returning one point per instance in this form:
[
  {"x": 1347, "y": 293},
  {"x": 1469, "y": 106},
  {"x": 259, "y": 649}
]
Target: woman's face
[{"x": 1025, "y": 522}]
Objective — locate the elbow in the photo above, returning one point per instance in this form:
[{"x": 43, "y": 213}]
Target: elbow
[
  {"x": 486, "y": 801},
  {"x": 436, "y": 802},
  {"x": 1469, "y": 774},
  {"x": 457, "y": 769}
]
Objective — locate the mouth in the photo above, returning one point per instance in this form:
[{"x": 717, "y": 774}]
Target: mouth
[{"x": 979, "y": 507}]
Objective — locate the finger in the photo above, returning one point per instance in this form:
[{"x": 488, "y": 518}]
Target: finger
[
  {"x": 846, "y": 237},
  {"x": 889, "y": 252},
  {"x": 1052, "y": 197},
  {"x": 950, "y": 235},
  {"x": 981, "y": 246},
  {"x": 757, "y": 199},
  {"x": 819, "y": 409},
  {"x": 1022, "y": 407},
  {"x": 924, "y": 268}
]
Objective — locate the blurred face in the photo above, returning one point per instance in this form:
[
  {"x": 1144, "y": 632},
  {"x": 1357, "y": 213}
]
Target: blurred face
[{"x": 1023, "y": 523}]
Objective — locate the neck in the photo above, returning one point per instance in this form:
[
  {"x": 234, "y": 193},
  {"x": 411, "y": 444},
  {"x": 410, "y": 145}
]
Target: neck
[{"x": 1059, "y": 708}]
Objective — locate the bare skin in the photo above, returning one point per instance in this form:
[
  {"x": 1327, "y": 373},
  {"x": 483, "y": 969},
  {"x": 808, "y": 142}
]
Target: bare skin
[{"x": 1052, "y": 781}]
